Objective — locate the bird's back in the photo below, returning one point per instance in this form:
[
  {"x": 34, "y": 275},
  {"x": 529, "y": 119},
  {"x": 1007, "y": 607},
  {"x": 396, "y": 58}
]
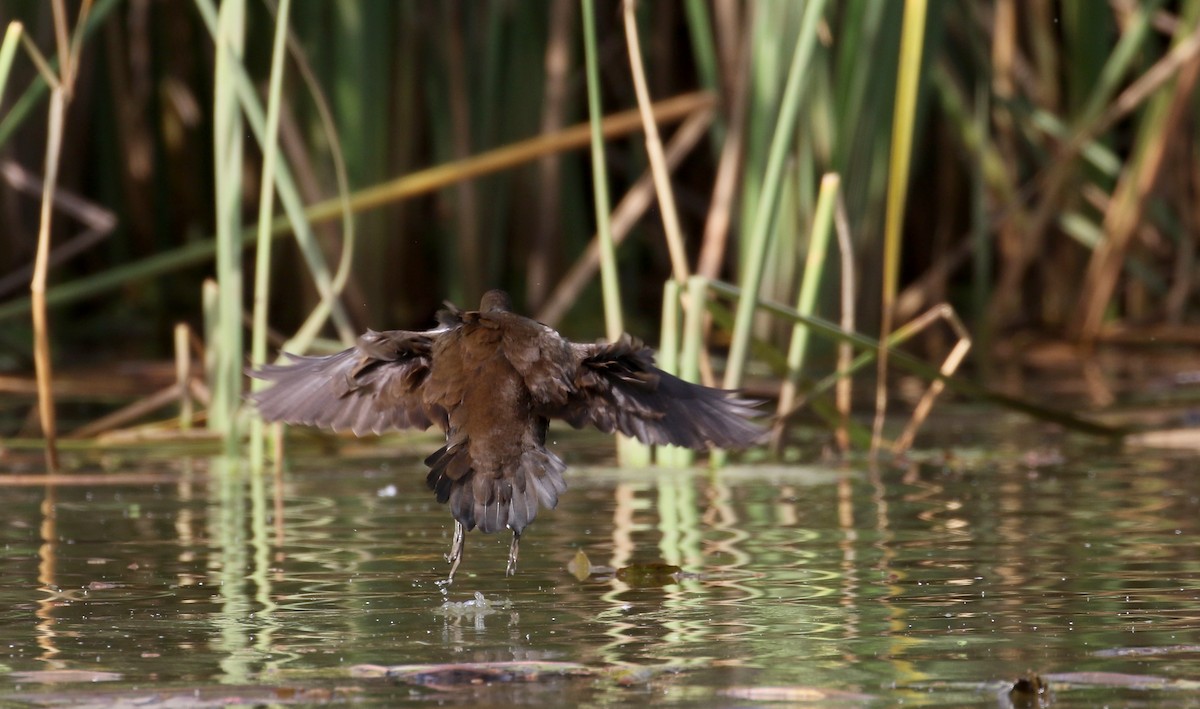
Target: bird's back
[
  {"x": 494, "y": 468},
  {"x": 473, "y": 380}
]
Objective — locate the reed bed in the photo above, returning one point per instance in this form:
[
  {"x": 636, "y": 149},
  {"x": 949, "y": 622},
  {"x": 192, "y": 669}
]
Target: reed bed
[{"x": 1000, "y": 168}]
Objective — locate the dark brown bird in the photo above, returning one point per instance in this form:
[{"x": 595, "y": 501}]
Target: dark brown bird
[{"x": 492, "y": 380}]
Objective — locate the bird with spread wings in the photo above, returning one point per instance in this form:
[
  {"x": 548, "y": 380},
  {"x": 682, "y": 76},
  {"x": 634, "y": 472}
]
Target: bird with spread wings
[{"x": 492, "y": 380}]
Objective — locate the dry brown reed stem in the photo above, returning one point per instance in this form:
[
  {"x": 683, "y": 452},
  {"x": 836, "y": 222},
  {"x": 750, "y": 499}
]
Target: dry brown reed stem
[
  {"x": 130, "y": 413},
  {"x": 577, "y": 136},
  {"x": 72, "y": 63},
  {"x": 731, "y": 27},
  {"x": 88, "y": 479},
  {"x": 631, "y": 208},
  {"x": 1124, "y": 215},
  {"x": 39, "y": 61},
  {"x": 654, "y": 148},
  {"x": 99, "y": 223},
  {"x": 200, "y": 392},
  {"x": 1056, "y": 177},
  {"x": 949, "y": 367},
  {"x": 62, "y": 40},
  {"x": 1154, "y": 78},
  {"x": 37, "y": 287},
  {"x": 61, "y": 86},
  {"x": 720, "y": 211},
  {"x": 713, "y": 246},
  {"x": 544, "y": 251},
  {"x": 183, "y": 374},
  {"x": 92, "y": 383}
]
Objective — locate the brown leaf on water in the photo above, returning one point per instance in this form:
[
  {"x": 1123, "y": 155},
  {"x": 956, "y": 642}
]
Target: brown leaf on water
[
  {"x": 582, "y": 568},
  {"x": 579, "y": 566}
]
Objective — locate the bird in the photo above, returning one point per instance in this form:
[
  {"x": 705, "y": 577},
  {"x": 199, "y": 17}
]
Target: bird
[{"x": 491, "y": 380}]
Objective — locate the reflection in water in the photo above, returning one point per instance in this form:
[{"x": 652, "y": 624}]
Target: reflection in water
[
  {"x": 47, "y": 562},
  {"x": 227, "y": 564},
  {"x": 881, "y": 581}
]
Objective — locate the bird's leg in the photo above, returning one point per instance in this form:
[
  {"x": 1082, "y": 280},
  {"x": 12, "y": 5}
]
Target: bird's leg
[
  {"x": 512, "y": 554},
  {"x": 456, "y": 549}
]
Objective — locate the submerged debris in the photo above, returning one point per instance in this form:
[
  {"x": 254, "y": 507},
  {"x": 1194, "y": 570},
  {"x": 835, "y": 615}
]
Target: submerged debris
[
  {"x": 452, "y": 676},
  {"x": 637, "y": 575},
  {"x": 1031, "y": 691},
  {"x": 654, "y": 574}
]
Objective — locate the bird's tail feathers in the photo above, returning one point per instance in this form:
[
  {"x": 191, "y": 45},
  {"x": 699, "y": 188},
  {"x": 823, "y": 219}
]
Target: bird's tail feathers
[{"x": 495, "y": 499}]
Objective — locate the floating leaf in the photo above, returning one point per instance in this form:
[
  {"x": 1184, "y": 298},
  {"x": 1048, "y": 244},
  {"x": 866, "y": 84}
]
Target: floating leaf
[{"x": 580, "y": 567}]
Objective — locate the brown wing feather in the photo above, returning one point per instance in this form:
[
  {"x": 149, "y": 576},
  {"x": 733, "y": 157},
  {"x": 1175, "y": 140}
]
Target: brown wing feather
[
  {"x": 618, "y": 388},
  {"x": 369, "y": 388}
]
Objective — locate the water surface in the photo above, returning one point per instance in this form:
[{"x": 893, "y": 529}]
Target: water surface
[{"x": 934, "y": 583}]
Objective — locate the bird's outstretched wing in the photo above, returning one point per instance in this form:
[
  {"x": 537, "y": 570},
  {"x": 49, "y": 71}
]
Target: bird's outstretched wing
[
  {"x": 369, "y": 388},
  {"x": 618, "y": 388}
]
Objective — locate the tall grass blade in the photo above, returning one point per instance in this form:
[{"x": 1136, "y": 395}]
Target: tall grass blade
[
  {"x": 613, "y": 321},
  {"x": 810, "y": 286},
  {"x": 669, "y": 361},
  {"x": 266, "y": 205},
  {"x": 228, "y": 166},
  {"x": 405, "y": 187},
  {"x": 704, "y": 50},
  {"x": 8, "y": 49},
  {"x": 908, "y": 76},
  {"x": 23, "y": 107},
  {"x": 781, "y": 141},
  {"x": 629, "y": 451},
  {"x": 289, "y": 195}
]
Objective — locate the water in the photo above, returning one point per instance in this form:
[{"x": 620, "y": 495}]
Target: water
[{"x": 937, "y": 583}]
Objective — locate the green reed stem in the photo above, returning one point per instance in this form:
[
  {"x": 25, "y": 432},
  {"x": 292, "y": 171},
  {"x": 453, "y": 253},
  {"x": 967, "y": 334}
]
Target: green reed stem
[
  {"x": 629, "y": 451},
  {"x": 764, "y": 214},
  {"x": 289, "y": 194},
  {"x": 266, "y": 205},
  {"x": 613, "y": 320},
  {"x": 226, "y": 384},
  {"x": 810, "y": 286},
  {"x": 668, "y": 361},
  {"x": 912, "y": 39}
]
